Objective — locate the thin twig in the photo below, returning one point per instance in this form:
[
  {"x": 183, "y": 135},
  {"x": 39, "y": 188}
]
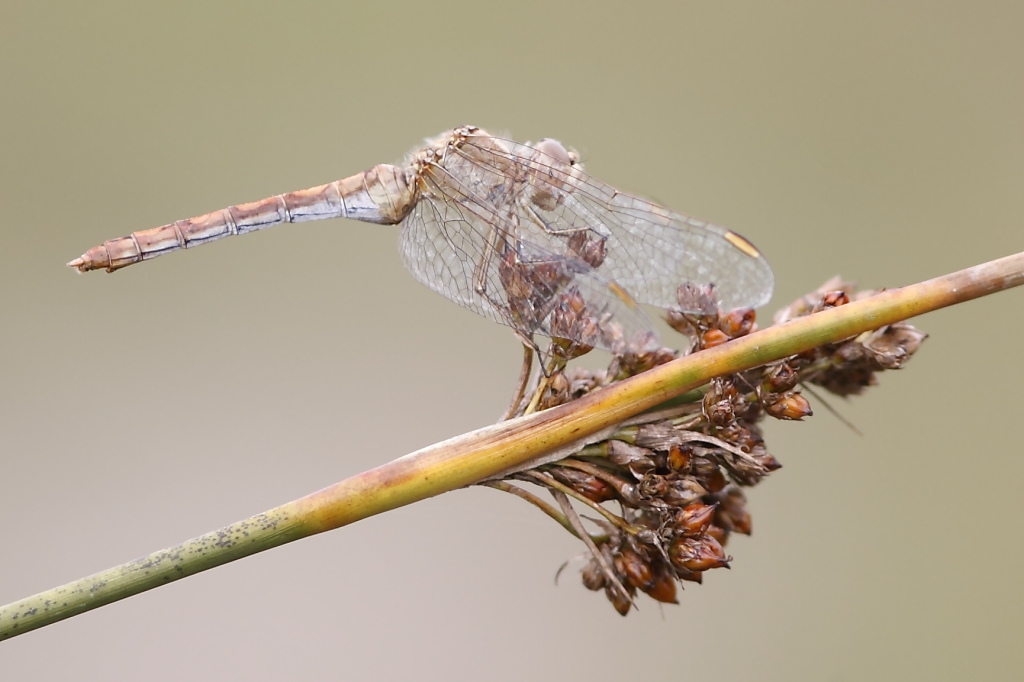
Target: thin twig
[
  {"x": 507, "y": 487},
  {"x": 602, "y": 561},
  {"x": 513, "y": 445},
  {"x": 524, "y": 379}
]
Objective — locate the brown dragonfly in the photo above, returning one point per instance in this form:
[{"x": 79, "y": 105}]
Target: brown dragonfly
[{"x": 515, "y": 232}]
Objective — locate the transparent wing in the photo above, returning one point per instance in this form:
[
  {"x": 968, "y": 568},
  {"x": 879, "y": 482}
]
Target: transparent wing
[
  {"x": 520, "y": 234},
  {"x": 649, "y": 250},
  {"x": 470, "y": 249}
]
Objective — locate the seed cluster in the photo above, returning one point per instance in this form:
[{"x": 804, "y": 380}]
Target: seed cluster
[{"x": 674, "y": 476}]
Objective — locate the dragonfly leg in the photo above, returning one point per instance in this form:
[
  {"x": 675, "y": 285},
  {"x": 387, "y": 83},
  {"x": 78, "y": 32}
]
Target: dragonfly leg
[
  {"x": 524, "y": 379},
  {"x": 583, "y": 242},
  {"x": 555, "y": 364},
  {"x": 494, "y": 239}
]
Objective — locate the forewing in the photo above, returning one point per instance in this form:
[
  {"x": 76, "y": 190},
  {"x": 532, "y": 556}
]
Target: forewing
[{"x": 650, "y": 250}]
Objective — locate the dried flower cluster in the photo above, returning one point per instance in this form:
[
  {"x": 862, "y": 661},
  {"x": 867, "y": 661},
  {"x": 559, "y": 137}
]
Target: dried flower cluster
[{"x": 675, "y": 476}]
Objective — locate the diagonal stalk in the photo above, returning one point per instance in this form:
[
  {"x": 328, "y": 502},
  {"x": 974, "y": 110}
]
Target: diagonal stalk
[{"x": 501, "y": 448}]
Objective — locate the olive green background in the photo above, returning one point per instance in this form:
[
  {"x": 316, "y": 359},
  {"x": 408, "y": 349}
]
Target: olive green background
[{"x": 880, "y": 141}]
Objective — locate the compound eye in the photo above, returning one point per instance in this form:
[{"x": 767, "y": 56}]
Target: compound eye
[{"x": 555, "y": 150}]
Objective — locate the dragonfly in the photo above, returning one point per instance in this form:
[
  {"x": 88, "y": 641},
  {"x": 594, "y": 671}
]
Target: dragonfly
[{"x": 518, "y": 233}]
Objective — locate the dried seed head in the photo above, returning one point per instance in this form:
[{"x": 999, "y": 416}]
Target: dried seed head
[
  {"x": 642, "y": 354},
  {"x": 697, "y": 311},
  {"x": 684, "y": 491},
  {"x": 716, "y": 480},
  {"x": 737, "y": 323},
  {"x": 833, "y": 292},
  {"x": 767, "y": 461},
  {"x": 583, "y": 381},
  {"x": 588, "y": 246},
  {"x": 701, "y": 302},
  {"x": 834, "y": 299},
  {"x": 720, "y": 534},
  {"x": 731, "y": 513},
  {"x": 621, "y": 602},
  {"x": 849, "y": 367},
  {"x": 890, "y": 347},
  {"x": 719, "y": 403},
  {"x": 636, "y": 570},
  {"x": 556, "y": 392},
  {"x": 676, "y": 473},
  {"x": 678, "y": 458},
  {"x": 574, "y": 332},
  {"x": 694, "y": 519},
  {"x": 692, "y": 576},
  {"x": 663, "y": 588},
  {"x": 780, "y": 377},
  {"x": 712, "y": 338},
  {"x": 588, "y": 485},
  {"x": 697, "y": 554},
  {"x": 788, "y": 405},
  {"x": 592, "y": 575}
]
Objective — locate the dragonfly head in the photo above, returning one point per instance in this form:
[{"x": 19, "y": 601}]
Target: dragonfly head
[{"x": 557, "y": 151}]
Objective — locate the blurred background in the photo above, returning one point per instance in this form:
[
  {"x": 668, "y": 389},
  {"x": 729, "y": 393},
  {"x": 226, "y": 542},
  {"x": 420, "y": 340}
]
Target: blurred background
[{"x": 879, "y": 141}]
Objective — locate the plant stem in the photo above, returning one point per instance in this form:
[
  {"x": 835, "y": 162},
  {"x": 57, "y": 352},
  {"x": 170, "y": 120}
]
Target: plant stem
[{"x": 502, "y": 448}]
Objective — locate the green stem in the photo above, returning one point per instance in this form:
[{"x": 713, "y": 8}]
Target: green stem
[{"x": 495, "y": 450}]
